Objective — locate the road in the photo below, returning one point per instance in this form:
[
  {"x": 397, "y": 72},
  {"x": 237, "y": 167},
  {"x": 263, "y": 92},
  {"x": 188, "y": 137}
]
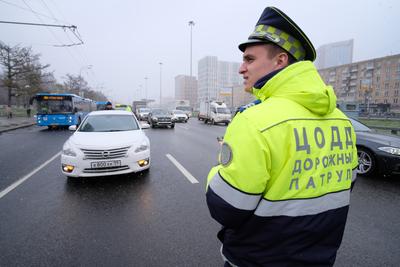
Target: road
[{"x": 156, "y": 219}]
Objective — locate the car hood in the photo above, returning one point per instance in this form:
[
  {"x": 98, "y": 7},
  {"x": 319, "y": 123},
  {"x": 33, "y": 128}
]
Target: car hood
[
  {"x": 105, "y": 140},
  {"x": 386, "y": 140}
]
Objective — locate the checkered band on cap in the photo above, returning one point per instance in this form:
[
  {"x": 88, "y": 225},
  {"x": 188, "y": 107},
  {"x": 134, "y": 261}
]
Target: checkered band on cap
[{"x": 281, "y": 38}]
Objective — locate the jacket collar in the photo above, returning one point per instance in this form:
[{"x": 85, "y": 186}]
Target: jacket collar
[{"x": 260, "y": 83}]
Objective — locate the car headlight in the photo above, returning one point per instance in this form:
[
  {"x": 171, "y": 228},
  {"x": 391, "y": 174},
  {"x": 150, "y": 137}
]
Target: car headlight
[
  {"x": 143, "y": 146},
  {"x": 390, "y": 150},
  {"x": 154, "y": 119},
  {"x": 68, "y": 150}
]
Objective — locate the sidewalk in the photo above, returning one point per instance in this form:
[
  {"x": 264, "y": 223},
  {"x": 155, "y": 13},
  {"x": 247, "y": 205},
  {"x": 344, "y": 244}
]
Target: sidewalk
[{"x": 15, "y": 123}]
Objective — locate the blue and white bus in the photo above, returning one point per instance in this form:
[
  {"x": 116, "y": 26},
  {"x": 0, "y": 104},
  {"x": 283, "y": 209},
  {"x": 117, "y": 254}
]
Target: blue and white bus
[{"x": 57, "y": 110}]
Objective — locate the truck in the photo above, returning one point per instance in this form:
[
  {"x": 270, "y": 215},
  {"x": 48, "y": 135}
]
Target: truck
[
  {"x": 136, "y": 105},
  {"x": 214, "y": 112}
]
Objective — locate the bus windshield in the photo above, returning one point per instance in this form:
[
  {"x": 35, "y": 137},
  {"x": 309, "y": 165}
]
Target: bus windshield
[{"x": 46, "y": 106}]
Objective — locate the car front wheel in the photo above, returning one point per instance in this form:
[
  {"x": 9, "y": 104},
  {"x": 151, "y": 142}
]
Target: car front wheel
[{"x": 366, "y": 162}]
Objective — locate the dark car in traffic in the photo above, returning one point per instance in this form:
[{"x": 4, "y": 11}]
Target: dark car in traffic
[
  {"x": 160, "y": 118},
  {"x": 377, "y": 153}
]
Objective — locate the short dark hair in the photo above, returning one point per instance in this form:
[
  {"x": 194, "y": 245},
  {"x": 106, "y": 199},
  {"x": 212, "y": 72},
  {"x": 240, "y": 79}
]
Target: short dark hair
[{"x": 276, "y": 49}]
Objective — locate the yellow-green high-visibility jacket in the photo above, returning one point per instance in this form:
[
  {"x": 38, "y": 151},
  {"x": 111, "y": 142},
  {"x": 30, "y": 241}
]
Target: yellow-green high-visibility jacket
[{"x": 282, "y": 188}]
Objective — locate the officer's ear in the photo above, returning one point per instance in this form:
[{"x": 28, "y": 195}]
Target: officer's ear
[{"x": 282, "y": 60}]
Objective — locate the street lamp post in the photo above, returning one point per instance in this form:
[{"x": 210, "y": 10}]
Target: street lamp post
[
  {"x": 80, "y": 75},
  {"x": 145, "y": 87},
  {"x": 140, "y": 94},
  {"x": 191, "y": 24},
  {"x": 84, "y": 67},
  {"x": 160, "y": 81}
]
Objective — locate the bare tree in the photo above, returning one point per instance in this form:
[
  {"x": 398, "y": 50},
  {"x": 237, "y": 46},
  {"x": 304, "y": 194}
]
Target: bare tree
[
  {"x": 75, "y": 84},
  {"x": 22, "y": 70},
  {"x": 79, "y": 86}
]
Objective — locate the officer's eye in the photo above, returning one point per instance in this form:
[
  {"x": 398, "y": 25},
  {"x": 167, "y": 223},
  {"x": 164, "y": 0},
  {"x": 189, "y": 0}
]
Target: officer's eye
[{"x": 248, "y": 59}]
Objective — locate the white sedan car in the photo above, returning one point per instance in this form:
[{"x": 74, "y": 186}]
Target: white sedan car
[
  {"x": 108, "y": 142},
  {"x": 179, "y": 116}
]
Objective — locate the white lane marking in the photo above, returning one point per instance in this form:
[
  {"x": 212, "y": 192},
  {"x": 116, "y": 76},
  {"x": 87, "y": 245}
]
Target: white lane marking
[
  {"x": 26, "y": 177},
  {"x": 184, "y": 127},
  {"x": 182, "y": 169}
]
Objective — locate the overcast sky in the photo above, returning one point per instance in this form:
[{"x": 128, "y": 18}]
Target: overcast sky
[{"x": 124, "y": 41}]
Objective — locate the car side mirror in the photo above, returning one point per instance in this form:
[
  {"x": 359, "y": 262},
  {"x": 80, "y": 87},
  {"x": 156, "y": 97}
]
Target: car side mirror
[{"x": 72, "y": 128}]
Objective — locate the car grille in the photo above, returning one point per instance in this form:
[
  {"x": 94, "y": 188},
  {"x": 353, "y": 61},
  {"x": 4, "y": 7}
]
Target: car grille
[
  {"x": 102, "y": 170},
  {"x": 105, "y": 154},
  {"x": 164, "y": 119}
]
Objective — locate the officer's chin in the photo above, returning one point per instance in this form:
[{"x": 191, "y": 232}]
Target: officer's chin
[{"x": 248, "y": 89}]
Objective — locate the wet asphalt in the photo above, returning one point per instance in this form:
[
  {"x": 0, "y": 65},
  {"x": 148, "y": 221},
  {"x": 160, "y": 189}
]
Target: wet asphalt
[{"x": 155, "y": 219}]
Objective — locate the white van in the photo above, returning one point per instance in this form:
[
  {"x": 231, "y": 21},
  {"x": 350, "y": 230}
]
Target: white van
[{"x": 214, "y": 112}]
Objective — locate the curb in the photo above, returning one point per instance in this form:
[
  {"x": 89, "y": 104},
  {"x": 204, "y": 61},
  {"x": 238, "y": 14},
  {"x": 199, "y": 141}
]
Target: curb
[{"x": 17, "y": 127}]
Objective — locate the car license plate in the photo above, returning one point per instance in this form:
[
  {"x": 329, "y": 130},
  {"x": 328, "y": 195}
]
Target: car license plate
[{"x": 105, "y": 164}]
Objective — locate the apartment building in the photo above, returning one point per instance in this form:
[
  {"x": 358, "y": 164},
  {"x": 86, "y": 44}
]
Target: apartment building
[
  {"x": 373, "y": 84},
  {"x": 186, "y": 89}
]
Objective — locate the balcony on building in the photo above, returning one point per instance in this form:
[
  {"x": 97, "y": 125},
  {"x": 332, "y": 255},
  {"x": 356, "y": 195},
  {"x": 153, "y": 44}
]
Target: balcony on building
[{"x": 354, "y": 69}]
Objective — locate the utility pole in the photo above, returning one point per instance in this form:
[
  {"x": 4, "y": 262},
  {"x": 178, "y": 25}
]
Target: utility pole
[
  {"x": 191, "y": 24},
  {"x": 232, "y": 98},
  {"x": 160, "y": 81}
]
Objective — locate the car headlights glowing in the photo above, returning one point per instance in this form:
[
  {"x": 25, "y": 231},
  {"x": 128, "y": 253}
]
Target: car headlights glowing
[
  {"x": 390, "y": 150},
  {"x": 68, "y": 151},
  {"x": 67, "y": 168}
]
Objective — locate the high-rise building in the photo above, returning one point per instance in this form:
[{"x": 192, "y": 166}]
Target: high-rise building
[
  {"x": 334, "y": 54},
  {"x": 186, "y": 89},
  {"x": 207, "y": 79},
  {"x": 217, "y": 79}
]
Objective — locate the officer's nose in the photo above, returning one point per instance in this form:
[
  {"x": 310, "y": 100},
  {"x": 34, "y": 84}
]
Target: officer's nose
[{"x": 242, "y": 68}]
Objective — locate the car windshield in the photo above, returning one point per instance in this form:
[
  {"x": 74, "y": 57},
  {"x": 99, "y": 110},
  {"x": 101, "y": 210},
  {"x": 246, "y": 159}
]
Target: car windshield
[
  {"x": 359, "y": 127},
  {"x": 144, "y": 110},
  {"x": 159, "y": 112},
  {"x": 109, "y": 123},
  {"x": 179, "y": 112},
  {"x": 223, "y": 110}
]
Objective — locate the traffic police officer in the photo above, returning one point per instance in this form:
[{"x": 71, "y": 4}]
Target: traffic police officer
[
  {"x": 108, "y": 106},
  {"x": 281, "y": 190}
]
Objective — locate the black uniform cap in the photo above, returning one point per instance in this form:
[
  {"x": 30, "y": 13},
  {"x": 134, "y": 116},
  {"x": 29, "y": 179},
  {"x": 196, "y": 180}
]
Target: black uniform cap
[{"x": 276, "y": 27}]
